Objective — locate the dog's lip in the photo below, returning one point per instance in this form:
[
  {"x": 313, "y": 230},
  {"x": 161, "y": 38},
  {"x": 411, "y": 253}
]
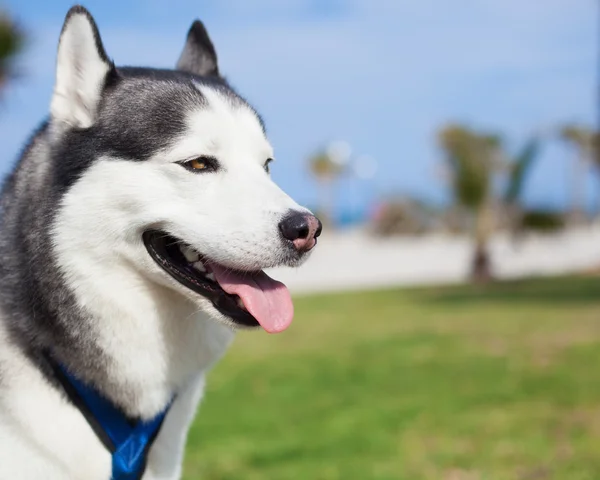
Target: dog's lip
[{"x": 168, "y": 256}]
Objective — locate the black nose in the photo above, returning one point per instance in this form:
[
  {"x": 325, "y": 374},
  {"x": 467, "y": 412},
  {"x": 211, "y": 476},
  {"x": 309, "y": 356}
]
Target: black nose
[{"x": 302, "y": 229}]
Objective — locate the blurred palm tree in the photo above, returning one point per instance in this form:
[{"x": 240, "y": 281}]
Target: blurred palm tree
[
  {"x": 11, "y": 42},
  {"x": 326, "y": 170},
  {"x": 473, "y": 159},
  {"x": 583, "y": 142}
]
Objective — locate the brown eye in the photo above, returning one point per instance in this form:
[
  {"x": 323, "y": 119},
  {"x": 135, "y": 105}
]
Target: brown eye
[
  {"x": 197, "y": 164},
  {"x": 201, "y": 165}
]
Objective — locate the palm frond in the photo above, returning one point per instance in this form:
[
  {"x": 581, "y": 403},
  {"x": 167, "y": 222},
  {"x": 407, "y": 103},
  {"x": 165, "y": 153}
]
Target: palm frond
[{"x": 519, "y": 169}]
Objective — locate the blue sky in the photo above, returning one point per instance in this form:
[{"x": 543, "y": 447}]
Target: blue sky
[{"x": 380, "y": 74}]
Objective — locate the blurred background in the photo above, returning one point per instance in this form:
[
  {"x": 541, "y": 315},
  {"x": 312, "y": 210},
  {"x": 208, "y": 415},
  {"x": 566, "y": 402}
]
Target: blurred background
[{"x": 448, "y": 325}]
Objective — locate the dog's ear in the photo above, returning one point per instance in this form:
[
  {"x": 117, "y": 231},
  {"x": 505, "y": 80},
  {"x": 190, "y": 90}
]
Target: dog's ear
[
  {"x": 198, "y": 56},
  {"x": 81, "y": 70}
]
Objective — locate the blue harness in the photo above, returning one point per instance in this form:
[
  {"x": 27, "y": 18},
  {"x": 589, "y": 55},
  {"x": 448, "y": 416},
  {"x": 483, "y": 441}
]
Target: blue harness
[{"x": 127, "y": 440}]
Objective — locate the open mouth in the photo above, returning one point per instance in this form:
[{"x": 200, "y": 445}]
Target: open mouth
[{"x": 248, "y": 298}]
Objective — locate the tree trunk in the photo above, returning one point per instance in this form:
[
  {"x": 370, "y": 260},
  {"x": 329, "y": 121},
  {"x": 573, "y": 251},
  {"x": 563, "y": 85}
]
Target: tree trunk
[{"x": 481, "y": 269}]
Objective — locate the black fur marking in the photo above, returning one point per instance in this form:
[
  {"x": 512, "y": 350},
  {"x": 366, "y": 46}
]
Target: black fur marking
[
  {"x": 37, "y": 309},
  {"x": 199, "y": 56}
]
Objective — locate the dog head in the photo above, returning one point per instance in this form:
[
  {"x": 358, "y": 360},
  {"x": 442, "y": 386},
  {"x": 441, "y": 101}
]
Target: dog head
[{"x": 166, "y": 173}]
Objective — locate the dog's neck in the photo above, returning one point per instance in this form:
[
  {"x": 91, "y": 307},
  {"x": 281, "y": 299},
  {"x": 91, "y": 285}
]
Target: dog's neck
[{"x": 154, "y": 342}]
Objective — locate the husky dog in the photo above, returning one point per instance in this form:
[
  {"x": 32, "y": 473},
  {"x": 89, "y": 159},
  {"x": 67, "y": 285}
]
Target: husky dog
[{"x": 134, "y": 231}]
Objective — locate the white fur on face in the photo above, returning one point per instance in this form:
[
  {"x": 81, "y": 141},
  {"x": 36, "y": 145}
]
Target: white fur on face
[{"x": 231, "y": 215}]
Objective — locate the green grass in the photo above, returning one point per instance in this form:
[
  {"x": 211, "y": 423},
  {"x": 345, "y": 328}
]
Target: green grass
[{"x": 453, "y": 383}]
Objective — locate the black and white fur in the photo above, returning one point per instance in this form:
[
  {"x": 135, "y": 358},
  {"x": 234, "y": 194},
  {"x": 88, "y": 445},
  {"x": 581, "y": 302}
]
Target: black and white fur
[{"x": 75, "y": 278}]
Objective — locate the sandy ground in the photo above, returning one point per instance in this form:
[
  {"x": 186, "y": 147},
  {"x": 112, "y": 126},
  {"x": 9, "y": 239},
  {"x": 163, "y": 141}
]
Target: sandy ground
[{"x": 355, "y": 260}]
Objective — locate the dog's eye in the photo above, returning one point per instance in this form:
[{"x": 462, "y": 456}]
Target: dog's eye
[
  {"x": 266, "y": 165},
  {"x": 201, "y": 164},
  {"x": 197, "y": 164}
]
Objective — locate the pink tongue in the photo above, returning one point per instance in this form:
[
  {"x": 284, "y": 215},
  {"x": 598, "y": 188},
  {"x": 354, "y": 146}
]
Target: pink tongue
[{"x": 268, "y": 300}]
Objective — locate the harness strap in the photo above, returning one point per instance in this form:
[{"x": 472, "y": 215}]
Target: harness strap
[{"x": 126, "y": 439}]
